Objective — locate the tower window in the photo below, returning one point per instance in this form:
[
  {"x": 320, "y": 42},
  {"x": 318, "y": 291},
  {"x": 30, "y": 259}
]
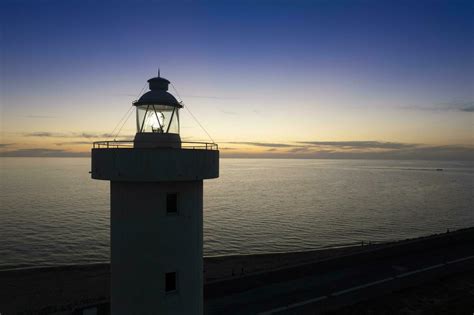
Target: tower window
[
  {"x": 172, "y": 203},
  {"x": 170, "y": 282}
]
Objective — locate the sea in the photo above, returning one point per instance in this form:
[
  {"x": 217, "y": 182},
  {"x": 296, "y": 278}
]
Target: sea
[{"x": 52, "y": 213}]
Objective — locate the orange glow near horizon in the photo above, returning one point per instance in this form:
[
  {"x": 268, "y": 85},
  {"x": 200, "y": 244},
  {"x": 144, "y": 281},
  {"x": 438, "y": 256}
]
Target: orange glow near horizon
[{"x": 250, "y": 84}]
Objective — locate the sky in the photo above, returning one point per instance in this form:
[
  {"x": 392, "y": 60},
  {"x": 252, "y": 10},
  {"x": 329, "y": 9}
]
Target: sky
[{"x": 283, "y": 79}]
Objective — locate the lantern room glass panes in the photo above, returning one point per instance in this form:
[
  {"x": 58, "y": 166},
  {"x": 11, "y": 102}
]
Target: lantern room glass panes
[{"x": 157, "y": 119}]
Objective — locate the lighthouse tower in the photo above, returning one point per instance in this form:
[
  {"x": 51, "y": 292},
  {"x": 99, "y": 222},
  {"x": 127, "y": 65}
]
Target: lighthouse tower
[{"x": 156, "y": 201}]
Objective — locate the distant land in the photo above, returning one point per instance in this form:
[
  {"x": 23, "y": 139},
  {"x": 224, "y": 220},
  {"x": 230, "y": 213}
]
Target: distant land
[{"x": 376, "y": 150}]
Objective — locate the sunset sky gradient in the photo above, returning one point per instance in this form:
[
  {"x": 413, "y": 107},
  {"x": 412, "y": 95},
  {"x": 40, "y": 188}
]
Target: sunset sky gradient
[{"x": 303, "y": 79}]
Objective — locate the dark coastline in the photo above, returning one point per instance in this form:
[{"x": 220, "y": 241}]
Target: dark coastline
[{"x": 62, "y": 289}]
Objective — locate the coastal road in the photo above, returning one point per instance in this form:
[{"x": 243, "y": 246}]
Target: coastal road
[{"x": 324, "y": 285}]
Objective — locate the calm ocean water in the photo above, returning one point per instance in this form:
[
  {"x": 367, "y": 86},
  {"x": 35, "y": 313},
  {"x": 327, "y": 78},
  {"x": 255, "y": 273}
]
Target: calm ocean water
[{"x": 52, "y": 213}]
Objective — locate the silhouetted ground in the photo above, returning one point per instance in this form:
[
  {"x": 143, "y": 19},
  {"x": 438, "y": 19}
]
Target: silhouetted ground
[
  {"x": 448, "y": 295},
  {"x": 50, "y": 290},
  {"x": 60, "y": 290},
  {"x": 345, "y": 280},
  {"x": 228, "y": 267}
]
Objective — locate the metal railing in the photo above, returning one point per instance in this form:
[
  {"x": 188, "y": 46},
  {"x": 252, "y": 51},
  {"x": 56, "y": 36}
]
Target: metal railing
[{"x": 129, "y": 144}]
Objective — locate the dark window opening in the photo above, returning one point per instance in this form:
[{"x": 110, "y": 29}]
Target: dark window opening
[
  {"x": 172, "y": 203},
  {"x": 170, "y": 282}
]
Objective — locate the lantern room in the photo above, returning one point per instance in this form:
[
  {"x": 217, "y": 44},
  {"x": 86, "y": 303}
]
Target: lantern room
[{"x": 157, "y": 109}]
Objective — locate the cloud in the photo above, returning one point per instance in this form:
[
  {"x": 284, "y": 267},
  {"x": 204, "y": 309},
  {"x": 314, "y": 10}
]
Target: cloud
[
  {"x": 42, "y": 134},
  {"x": 446, "y": 152},
  {"x": 87, "y": 135},
  {"x": 456, "y": 106},
  {"x": 94, "y": 135},
  {"x": 42, "y": 153},
  {"x": 265, "y": 144},
  {"x": 305, "y": 145},
  {"x": 299, "y": 149},
  {"x": 74, "y": 143},
  {"x": 358, "y": 150},
  {"x": 462, "y": 106},
  {"x": 361, "y": 144},
  {"x": 468, "y": 109}
]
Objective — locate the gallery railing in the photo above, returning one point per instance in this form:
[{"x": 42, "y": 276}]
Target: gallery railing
[{"x": 128, "y": 144}]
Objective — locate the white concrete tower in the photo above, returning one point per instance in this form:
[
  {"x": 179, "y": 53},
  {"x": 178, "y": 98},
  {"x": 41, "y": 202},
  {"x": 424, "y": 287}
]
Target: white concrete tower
[{"x": 156, "y": 201}]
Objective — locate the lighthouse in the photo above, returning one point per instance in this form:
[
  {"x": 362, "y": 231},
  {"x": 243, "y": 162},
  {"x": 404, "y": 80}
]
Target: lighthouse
[{"x": 156, "y": 206}]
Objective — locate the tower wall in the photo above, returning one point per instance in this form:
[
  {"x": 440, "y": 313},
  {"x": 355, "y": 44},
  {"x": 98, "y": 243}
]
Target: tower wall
[
  {"x": 154, "y": 165},
  {"x": 147, "y": 242}
]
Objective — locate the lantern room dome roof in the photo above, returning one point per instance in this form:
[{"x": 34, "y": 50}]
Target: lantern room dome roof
[
  {"x": 158, "y": 94},
  {"x": 157, "y": 98}
]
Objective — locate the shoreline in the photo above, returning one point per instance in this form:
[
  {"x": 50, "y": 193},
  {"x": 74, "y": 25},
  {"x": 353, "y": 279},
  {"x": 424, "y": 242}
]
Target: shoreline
[
  {"x": 251, "y": 263},
  {"x": 65, "y": 288},
  {"x": 7, "y": 268}
]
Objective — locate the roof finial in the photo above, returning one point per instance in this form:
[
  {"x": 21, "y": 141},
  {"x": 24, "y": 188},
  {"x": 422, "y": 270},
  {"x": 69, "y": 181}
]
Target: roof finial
[{"x": 158, "y": 72}]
